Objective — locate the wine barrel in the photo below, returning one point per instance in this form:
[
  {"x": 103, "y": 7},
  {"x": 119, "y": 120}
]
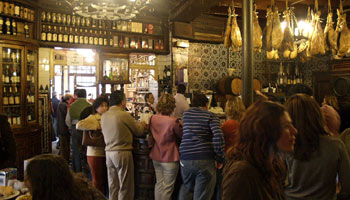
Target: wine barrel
[
  {"x": 145, "y": 178},
  {"x": 341, "y": 86},
  {"x": 257, "y": 85},
  {"x": 236, "y": 86}
]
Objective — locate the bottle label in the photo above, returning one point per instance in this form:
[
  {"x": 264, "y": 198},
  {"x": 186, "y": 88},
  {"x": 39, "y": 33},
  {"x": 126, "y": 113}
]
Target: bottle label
[
  {"x": 86, "y": 40},
  {"x": 60, "y": 37},
  {"x": 100, "y": 41},
  {"x": 49, "y": 37},
  {"x": 65, "y": 38},
  {"x": 71, "y": 39},
  {"x": 81, "y": 39},
  {"x": 95, "y": 41},
  {"x": 76, "y": 39},
  {"x": 6, "y": 100},
  {"x": 91, "y": 40}
]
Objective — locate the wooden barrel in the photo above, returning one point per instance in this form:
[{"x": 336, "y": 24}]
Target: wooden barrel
[
  {"x": 257, "y": 85},
  {"x": 236, "y": 86},
  {"x": 145, "y": 178}
]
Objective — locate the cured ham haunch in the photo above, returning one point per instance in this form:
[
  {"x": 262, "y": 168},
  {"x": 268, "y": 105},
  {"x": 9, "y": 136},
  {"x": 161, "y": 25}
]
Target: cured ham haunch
[
  {"x": 330, "y": 36},
  {"x": 277, "y": 35},
  {"x": 236, "y": 37},
  {"x": 257, "y": 37},
  {"x": 317, "y": 40},
  {"x": 227, "y": 40},
  {"x": 344, "y": 41},
  {"x": 288, "y": 38},
  {"x": 268, "y": 30}
]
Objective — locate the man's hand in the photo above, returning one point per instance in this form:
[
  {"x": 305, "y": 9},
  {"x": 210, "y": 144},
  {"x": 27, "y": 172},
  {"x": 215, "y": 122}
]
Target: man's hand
[{"x": 218, "y": 165}]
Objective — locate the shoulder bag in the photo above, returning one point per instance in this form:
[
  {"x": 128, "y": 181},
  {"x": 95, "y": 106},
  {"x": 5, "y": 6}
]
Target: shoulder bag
[{"x": 93, "y": 138}]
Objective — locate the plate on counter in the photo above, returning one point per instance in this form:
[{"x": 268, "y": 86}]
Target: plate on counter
[{"x": 14, "y": 194}]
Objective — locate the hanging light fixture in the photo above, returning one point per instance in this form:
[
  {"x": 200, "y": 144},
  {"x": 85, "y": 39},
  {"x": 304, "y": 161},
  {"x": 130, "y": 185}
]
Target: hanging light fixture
[{"x": 108, "y": 9}]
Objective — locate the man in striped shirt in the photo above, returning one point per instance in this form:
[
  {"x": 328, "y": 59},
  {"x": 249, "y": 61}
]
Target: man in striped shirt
[{"x": 201, "y": 150}]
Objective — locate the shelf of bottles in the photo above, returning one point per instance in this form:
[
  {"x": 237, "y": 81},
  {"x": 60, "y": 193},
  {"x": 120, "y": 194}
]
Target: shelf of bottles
[
  {"x": 116, "y": 70},
  {"x": 16, "y": 19},
  {"x": 30, "y": 84},
  {"x": 11, "y": 87},
  {"x": 73, "y": 29},
  {"x": 288, "y": 76}
]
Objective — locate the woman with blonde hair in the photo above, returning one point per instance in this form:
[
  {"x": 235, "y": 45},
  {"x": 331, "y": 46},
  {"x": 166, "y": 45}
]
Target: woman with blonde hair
[
  {"x": 330, "y": 109},
  {"x": 165, "y": 139},
  {"x": 234, "y": 110}
]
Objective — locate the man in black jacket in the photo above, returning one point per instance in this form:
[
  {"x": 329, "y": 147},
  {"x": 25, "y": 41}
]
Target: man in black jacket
[
  {"x": 7, "y": 144},
  {"x": 62, "y": 128}
]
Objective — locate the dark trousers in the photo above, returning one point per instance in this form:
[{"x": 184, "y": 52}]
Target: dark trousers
[
  {"x": 199, "y": 178},
  {"x": 65, "y": 148},
  {"x": 76, "y": 146},
  {"x": 98, "y": 172}
]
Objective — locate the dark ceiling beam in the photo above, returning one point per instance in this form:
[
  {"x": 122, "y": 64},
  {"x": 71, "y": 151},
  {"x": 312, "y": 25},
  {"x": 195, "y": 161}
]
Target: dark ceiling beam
[{"x": 188, "y": 10}]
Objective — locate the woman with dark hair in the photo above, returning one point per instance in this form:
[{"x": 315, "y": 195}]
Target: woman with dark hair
[
  {"x": 318, "y": 158},
  {"x": 96, "y": 155},
  {"x": 48, "y": 177},
  {"x": 253, "y": 170},
  {"x": 166, "y": 135}
]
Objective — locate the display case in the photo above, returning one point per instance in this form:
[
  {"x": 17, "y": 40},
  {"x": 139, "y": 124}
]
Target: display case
[
  {"x": 18, "y": 84},
  {"x": 114, "y": 70}
]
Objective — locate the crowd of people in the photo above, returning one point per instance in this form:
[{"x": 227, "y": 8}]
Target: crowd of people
[{"x": 295, "y": 150}]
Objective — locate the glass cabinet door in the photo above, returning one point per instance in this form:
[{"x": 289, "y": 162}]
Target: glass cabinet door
[
  {"x": 11, "y": 87},
  {"x": 116, "y": 69},
  {"x": 30, "y": 89}
]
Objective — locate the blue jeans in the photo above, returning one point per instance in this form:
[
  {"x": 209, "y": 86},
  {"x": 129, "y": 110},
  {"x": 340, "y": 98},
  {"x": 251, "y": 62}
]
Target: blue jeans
[
  {"x": 199, "y": 178},
  {"x": 76, "y": 160}
]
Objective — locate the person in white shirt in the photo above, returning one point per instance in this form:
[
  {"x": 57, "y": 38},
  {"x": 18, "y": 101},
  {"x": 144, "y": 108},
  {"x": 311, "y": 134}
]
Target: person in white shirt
[{"x": 180, "y": 101}]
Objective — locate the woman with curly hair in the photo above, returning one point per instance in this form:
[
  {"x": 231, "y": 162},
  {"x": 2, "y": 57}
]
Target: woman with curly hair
[
  {"x": 330, "y": 109},
  {"x": 48, "y": 177},
  {"x": 166, "y": 135},
  {"x": 253, "y": 170},
  {"x": 318, "y": 158}
]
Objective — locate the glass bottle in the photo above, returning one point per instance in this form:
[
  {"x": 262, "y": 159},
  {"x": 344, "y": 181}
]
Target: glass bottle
[
  {"x": 64, "y": 19},
  {"x": 1, "y": 7},
  {"x": 71, "y": 36},
  {"x": 105, "y": 40},
  {"x": 48, "y": 17},
  {"x": 81, "y": 36},
  {"x": 60, "y": 34},
  {"x": 74, "y": 21},
  {"x": 78, "y": 20},
  {"x": 66, "y": 35},
  {"x": 82, "y": 23},
  {"x": 17, "y": 10},
  {"x": 76, "y": 36},
  {"x": 1, "y": 25},
  {"x": 100, "y": 39},
  {"x": 54, "y": 18},
  {"x": 113, "y": 25},
  {"x": 6, "y": 7},
  {"x": 86, "y": 37},
  {"x": 88, "y": 22},
  {"x": 49, "y": 34},
  {"x": 8, "y": 26},
  {"x": 14, "y": 27},
  {"x": 96, "y": 38},
  {"x": 93, "y": 23},
  {"x": 11, "y": 9},
  {"x": 91, "y": 38},
  {"x": 26, "y": 30},
  {"x": 5, "y": 98},
  {"x": 59, "y": 18},
  {"x": 69, "y": 20}
]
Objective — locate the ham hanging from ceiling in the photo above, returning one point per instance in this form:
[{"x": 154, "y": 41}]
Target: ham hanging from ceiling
[
  {"x": 277, "y": 34},
  {"x": 236, "y": 37},
  {"x": 257, "y": 33},
  {"x": 227, "y": 40},
  {"x": 344, "y": 41},
  {"x": 317, "y": 40},
  {"x": 268, "y": 30},
  {"x": 330, "y": 35},
  {"x": 288, "y": 38}
]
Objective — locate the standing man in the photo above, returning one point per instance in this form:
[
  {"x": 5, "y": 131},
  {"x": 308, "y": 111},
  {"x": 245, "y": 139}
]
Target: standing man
[
  {"x": 62, "y": 128},
  {"x": 201, "y": 151},
  {"x": 72, "y": 119},
  {"x": 54, "y": 106},
  {"x": 118, "y": 128},
  {"x": 180, "y": 101},
  {"x": 148, "y": 108}
]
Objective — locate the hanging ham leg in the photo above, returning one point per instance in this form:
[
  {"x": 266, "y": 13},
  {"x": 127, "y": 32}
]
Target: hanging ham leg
[
  {"x": 227, "y": 41},
  {"x": 257, "y": 37},
  {"x": 277, "y": 34},
  {"x": 344, "y": 41},
  {"x": 268, "y": 31},
  {"x": 235, "y": 34}
]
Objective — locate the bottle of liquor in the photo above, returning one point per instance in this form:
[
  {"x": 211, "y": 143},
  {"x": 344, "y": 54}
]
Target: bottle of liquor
[
  {"x": 54, "y": 18},
  {"x": 78, "y": 19},
  {"x": 100, "y": 39},
  {"x": 93, "y": 23},
  {"x": 100, "y": 23},
  {"x": 5, "y": 98},
  {"x": 1, "y": 25},
  {"x": 66, "y": 35},
  {"x": 49, "y": 34},
  {"x": 111, "y": 41},
  {"x": 82, "y": 22},
  {"x": 21, "y": 12},
  {"x": 11, "y": 97},
  {"x": 7, "y": 75},
  {"x": 43, "y": 16},
  {"x": 74, "y": 20},
  {"x": 17, "y": 96},
  {"x": 121, "y": 42},
  {"x": 14, "y": 27},
  {"x": 76, "y": 36},
  {"x": 59, "y": 18},
  {"x": 54, "y": 34},
  {"x": 71, "y": 36},
  {"x": 17, "y": 10},
  {"x": 43, "y": 33},
  {"x": 8, "y": 26},
  {"x": 105, "y": 40},
  {"x": 91, "y": 38},
  {"x": 96, "y": 38},
  {"x": 81, "y": 36},
  {"x": 113, "y": 25},
  {"x": 64, "y": 19},
  {"x": 86, "y": 37},
  {"x": 26, "y": 30},
  {"x": 48, "y": 17},
  {"x": 88, "y": 22},
  {"x": 13, "y": 56},
  {"x": 69, "y": 20},
  {"x": 60, "y": 34}
]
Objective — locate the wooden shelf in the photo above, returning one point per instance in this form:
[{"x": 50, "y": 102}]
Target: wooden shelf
[
  {"x": 11, "y": 63},
  {"x": 115, "y": 82},
  {"x": 13, "y": 39},
  {"x": 15, "y": 17},
  {"x": 11, "y": 84},
  {"x": 103, "y": 48},
  {"x": 138, "y": 34},
  {"x": 11, "y": 106}
]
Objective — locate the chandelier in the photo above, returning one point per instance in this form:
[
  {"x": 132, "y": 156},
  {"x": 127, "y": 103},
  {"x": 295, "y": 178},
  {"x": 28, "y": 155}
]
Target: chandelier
[{"x": 109, "y": 9}]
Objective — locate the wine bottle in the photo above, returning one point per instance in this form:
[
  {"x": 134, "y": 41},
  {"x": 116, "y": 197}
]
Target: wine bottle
[
  {"x": 59, "y": 18},
  {"x": 105, "y": 40},
  {"x": 88, "y": 22},
  {"x": 54, "y": 34},
  {"x": 96, "y": 38},
  {"x": 5, "y": 98},
  {"x": 60, "y": 34},
  {"x": 17, "y": 96},
  {"x": 91, "y": 38},
  {"x": 78, "y": 19},
  {"x": 49, "y": 34},
  {"x": 100, "y": 39},
  {"x": 82, "y": 23},
  {"x": 1, "y": 25},
  {"x": 64, "y": 19},
  {"x": 26, "y": 30},
  {"x": 66, "y": 35},
  {"x": 54, "y": 18},
  {"x": 76, "y": 36},
  {"x": 8, "y": 26},
  {"x": 48, "y": 17},
  {"x": 86, "y": 37},
  {"x": 93, "y": 23},
  {"x": 71, "y": 36},
  {"x": 81, "y": 36},
  {"x": 74, "y": 21},
  {"x": 11, "y": 9},
  {"x": 43, "y": 33},
  {"x": 17, "y": 10},
  {"x": 11, "y": 97},
  {"x": 113, "y": 25},
  {"x": 69, "y": 20}
]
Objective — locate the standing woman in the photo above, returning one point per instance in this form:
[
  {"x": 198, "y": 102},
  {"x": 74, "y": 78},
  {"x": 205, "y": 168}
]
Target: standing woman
[
  {"x": 166, "y": 135},
  {"x": 253, "y": 170},
  {"x": 234, "y": 110},
  {"x": 96, "y": 155},
  {"x": 330, "y": 109},
  {"x": 318, "y": 158}
]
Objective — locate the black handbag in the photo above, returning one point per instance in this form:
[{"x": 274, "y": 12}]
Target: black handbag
[{"x": 93, "y": 138}]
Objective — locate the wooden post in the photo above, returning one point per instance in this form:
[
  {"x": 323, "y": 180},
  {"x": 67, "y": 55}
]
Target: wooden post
[{"x": 248, "y": 59}]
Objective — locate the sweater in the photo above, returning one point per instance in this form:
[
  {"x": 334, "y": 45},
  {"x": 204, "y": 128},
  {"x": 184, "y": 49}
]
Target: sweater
[
  {"x": 77, "y": 107},
  {"x": 118, "y": 128},
  {"x": 230, "y": 129},
  {"x": 166, "y": 134},
  {"x": 202, "y": 136},
  {"x": 316, "y": 178}
]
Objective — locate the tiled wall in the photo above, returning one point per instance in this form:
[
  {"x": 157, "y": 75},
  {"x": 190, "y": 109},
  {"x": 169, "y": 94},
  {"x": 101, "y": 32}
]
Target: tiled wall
[{"x": 208, "y": 63}]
